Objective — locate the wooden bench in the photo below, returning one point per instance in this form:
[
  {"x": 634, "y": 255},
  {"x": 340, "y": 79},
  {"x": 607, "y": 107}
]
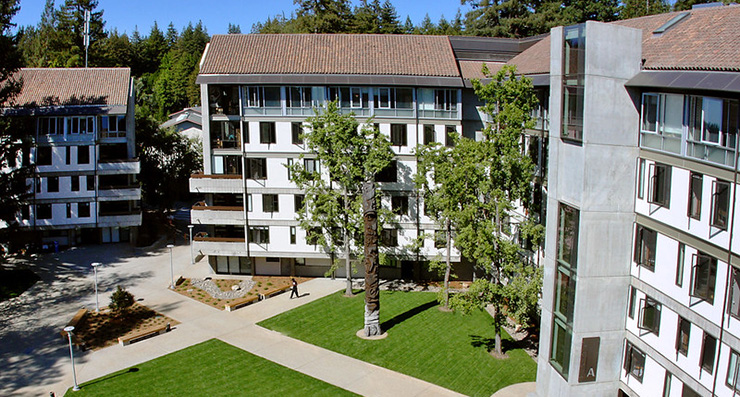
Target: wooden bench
[
  {"x": 74, "y": 322},
  {"x": 274, "y": 291},
  {"x": 143, "y": 334},
  {"x": 241, "y": 302}
]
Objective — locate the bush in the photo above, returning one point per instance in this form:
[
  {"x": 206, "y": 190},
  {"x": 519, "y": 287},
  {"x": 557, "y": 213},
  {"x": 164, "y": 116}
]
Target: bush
[{"x": 121, "y": 300}]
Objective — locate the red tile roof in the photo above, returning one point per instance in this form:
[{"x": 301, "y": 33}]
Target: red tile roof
[
  {"x": 74, "y": 86},
  {"x": 357, "y": 54},
  {"x": 708, "y": 39},
  {"x": 474, "y": 69}
]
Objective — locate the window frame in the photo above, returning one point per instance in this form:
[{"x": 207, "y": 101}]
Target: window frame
[
  {"x": 705, "y": 293},
  {"x": 259, "y": 234},
  {"x": 44, "y": 211},
  {"x": 52, "y": 184},
  {"x": 696, "y": 182},
  {"x": 399, "y": 134},
  {"x": 400, "y": 205},
  {"x": 429, "y": 134},
  {"x": 256, "y": 168},
  {"x": 646, "y": 242},
  {"x": 296, "y": 129},
  {"x": 708, "y": 355},
  {"x": 268, "y": 134},
  {"x": 659, "y": 189},
  {"x": 632, "y": 367},
  {"x": 731, "y": 380},
  {"x": 720, "y": 197},
  {"x": 388, "y": 237},
  {"x": 83, "y": 210},
  {"x": 683, "y": 336},
  {"x": 270, "y": 203},
  {"x": 646, "y": 322}
]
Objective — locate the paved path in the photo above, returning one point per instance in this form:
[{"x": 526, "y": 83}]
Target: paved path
[{"x": 36, "y": 361}]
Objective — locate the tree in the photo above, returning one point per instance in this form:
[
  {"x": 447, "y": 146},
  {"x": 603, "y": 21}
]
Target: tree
[
  {"x": 640, "y": 8},
  {"x": 234, "y": 29},
  {"x": 498, "y": 18},
  {"x": 490, "y": 177},
  {"x": 120, "y": 300},
  {"x": 323, "y": 16},
  {"x": 14, "y": 141},
  {"x": 351, "y": 155}
]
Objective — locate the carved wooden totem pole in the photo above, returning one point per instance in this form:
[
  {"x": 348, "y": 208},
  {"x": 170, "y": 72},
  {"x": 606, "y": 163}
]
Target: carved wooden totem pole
[{"x": 372, "y": 294}]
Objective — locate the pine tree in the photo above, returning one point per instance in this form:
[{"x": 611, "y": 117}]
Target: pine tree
[{"x": 640, "y": 8}]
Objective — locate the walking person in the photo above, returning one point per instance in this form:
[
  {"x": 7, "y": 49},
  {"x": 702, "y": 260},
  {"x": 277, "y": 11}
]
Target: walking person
[{"x": 295, "y": 288}]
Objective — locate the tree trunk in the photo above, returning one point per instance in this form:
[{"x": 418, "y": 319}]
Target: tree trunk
[
  {"x": 372, "y": 294},
  {"x": 347, "y": 264},
  {"x": 448, "y": 231},
  {"x": 497, "y": 326}
]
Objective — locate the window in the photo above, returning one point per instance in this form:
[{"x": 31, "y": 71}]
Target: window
[
  {"x": 650, "y": 316},
  {"x": 91, "y": 182},
  {"x": 695, "y": 188},
  {"x": 83, "y": 210},
  {"x": 564, "y": 294},
  {"x": 256, "y": 168},
  {"x": 560, "y": 349},
  {"x": 297, "y": 133},
  {"x": 679, "y": 265},
  {"x": 450, "y": 132},
  {"x": 662, "y": 114},
  {"x": 258, "y": 97},
  {"x": 226, "y": 134},
  {"x": 650, "y": 113},
  {"x": 389, "y": 238},
  {"x": 311, "y": 166},
  {"x": 227, "y": 165},
  {"x": 75, "y": 183},
  {"x": 83, "y": 154},
  {"x": 713, "y": 121},
  {"x": 634, "y": 361},
  {"x": 720, "y": 204},
  {"x": 400, "y": 205},
  {"x": 389, "y": 173},
  {"x": 445, "y": 99},
  {"x": 660, "y": 185},
  {"x": 667, "y": 384},
  {"x": 641, "y": 180},
  {"x": 68, "y": 157},
  {"x": 43, "y": 155},
  {"x": 267, "y": 132},
  {"x": 682, "y": 336},
  {"x": 51, "y": 125},
  {"x": 567, "y": 236},
  {"x": 440, "y": 239},
  {"x": 574, "y": 54},
  {"x": 25, "y": 212},
  {"x": 704, "y": 276},
  {"x": 69, "y": 210},
  {"x": 686, "y": 391},
  {"x": 735, "y": 294},
  {"x": 249, "y": 202},
  {"x": 82, "y": 125},
  {"x": 394, "y": 98},
  {"x": 428, "y": 134},
  {"x": 298, "y": 202},
  {"x": 301, "y": 97},
  {"x": 633, "y": 298},
  {"x": 645, "y": 244},
  {"x": 707, "y": 352},
  {"x": 270, "y": 203},
  {"x": 733, "y": 370},
  {"x": 399, "y": 134},
  {"x": 52, "y": 184},
  {"x": 259, "y": 235},
  {"x": 43, "y": 211}
]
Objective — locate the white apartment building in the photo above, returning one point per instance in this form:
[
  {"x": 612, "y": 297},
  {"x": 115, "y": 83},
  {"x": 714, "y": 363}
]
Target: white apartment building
[
  {"x": 257, "y": 91},
  {"x": 642, "y": 282},
  {"x": 84, "y": 186}
]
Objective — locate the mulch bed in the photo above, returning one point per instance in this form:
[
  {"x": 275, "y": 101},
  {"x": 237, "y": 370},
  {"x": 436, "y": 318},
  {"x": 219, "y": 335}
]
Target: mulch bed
[
  {"x": 263, "y": 283},
  {"x": 99, "y": 330}
]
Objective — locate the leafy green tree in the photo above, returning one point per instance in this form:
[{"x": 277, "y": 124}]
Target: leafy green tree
[
  {"x": 498, "y": 18},
  {"x": 234, "y": 29},
  {"x": 116, "y": 50},
  {"x": 14, "y": 141},
  {"x": 490, "y": 177},
  {"x": 641, "y": 8},
  {"x": 323, "y": 16},
  {"x": 426, "y": 26},
  {"x": 71, "y": 17},
  {"x": 351, "y": 154}
]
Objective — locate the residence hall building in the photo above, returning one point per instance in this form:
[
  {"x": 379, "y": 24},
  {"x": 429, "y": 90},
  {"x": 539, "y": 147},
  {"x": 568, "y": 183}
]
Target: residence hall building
[
  {"x": 258, "y": 90},
  {"x": 641, "y": 293},
  {"x": 84, "y": 188}
]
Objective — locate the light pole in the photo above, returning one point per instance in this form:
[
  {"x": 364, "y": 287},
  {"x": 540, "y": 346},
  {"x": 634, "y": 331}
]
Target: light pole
[
  {"x": 69, "y": 330},
  {"x": 95, "y": 268},
  {"x": 192, "y": 260},
  {"x": 172, "y": 269}
]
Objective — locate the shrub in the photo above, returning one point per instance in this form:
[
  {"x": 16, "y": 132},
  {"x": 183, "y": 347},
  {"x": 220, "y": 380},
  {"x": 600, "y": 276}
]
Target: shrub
[{"x": 121, "y": 300}]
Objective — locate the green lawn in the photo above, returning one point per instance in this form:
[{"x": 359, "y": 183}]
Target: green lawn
[
  {"x": 448, "y": 349},
  {"x": 211, "y": 368}
]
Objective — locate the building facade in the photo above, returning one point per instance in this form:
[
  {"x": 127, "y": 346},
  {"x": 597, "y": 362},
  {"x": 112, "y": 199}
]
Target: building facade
[
  {"x": 258, "y": 90},
  {"x": 642, "y": 284},
  {"x": 84, "y": 186}
]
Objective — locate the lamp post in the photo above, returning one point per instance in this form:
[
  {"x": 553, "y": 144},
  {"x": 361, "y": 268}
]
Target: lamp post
[
  {"x": 95, "y": 268},
  {"x": 192, "y": 260},
  {"x": 69, "y": 330},
  {"x": 172, "y": 269}
]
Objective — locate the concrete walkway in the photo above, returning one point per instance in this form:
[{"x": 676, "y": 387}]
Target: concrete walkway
[{"x": 39, "y": 362}]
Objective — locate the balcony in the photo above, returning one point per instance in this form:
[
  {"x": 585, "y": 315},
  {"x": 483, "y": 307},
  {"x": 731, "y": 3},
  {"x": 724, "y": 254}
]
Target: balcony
[
  {"x": 120, "y": 219},
  {"x": 200, "y": 183},
  {"x": 222, "y": 246},
  {"x": 132, "y": 192},
  {"x": 709, "y": 152},
  {"x": 662, "y": 142},
  {"x": 217, "y": 215},
  {"x": 122, "y": 166}
]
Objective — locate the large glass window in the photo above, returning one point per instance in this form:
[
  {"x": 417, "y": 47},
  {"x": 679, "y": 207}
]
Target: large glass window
[
  {"x": 708, "y": 351},
  {"x": 225, "y": 134},
  {"x": 394, "y": 102},
  {"x": 565, "y": 287},
  {"x": 256, "y": 168},
  {"x": 560, "y": 349},
  {"x": 261, "y": 97},
  {"x": 660, "y": 185},
  {"x": 399, "y": 134},
  {"x": 704, "y": 277},
  {"x": 389, "y": 238},
  {"x": 267, "y": 132},
  {"x": 223, "y": 99},
  {"x": 400, "y": 205},
  {"x": 682, "y": 336},
  {"x": 296, "y": 129},
  {"x": 574, "y": 58},
  {"x": 52, "y": 184},
  {"x": 649, "y": 316},
  {"x": 270, "y": 203},
  {"x": 43, "y": 155},
  {"x": 227, "y": 165},
  {"x": 259, "y": 235},
  {"x": 567, "y": 235},
  {"x": 733, "y": 371},
  {"x": 713, "y": 120},
  {"x": 43, "y": 211},
  {"x": 695, "y": 190},
  {"x": 735, "y": 293},
  {"x": 634, "y": 361},
  {"x": 720, "y": 204},
  {"x": 645, "y": 245}
]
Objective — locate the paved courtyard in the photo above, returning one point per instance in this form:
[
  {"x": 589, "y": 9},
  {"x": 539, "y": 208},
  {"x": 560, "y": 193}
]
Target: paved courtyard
[{"x": 36, "y": 360}]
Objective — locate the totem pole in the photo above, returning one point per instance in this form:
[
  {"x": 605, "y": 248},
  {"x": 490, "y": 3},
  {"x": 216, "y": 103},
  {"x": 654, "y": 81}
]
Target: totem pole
[{"x": 372, "y": 294}]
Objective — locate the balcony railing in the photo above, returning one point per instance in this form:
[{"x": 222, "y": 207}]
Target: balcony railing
[
  {"x": 713, "y": 153},
  {"x": 665, "y": 143}
]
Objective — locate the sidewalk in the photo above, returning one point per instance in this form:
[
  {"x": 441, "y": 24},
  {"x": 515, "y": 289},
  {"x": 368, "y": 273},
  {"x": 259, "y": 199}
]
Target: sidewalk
[{"x": 39, "y": 371}]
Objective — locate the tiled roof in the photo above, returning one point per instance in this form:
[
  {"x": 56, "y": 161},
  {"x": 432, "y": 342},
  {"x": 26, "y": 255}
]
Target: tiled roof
[
  {"x": 74, "y": 86},
  {"x": 474, "y": 69},
  {"x": 708, "y": 39},
  {"x": 355, "y": 54}
]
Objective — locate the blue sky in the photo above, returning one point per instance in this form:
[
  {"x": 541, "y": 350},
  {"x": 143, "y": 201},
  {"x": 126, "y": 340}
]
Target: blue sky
[{"x": 126, "y": 15}]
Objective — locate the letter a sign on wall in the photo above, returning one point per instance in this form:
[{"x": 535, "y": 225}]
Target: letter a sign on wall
[{"x": 589, "y": 359}]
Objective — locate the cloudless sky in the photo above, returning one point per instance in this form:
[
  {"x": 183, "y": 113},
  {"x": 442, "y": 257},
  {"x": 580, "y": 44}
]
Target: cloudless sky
[{"x": 127, "y": 15}]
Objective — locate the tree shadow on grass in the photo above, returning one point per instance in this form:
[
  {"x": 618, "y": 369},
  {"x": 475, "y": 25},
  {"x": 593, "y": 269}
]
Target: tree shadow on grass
[
  {"x": 390, "y": 323},
  {"x": 111, "y": 376},
  {"x": 490, "y": 343}
]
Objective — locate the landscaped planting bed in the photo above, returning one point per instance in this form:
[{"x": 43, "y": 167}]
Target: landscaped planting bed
[
  {"x": 262, "y": 284},
  {"x": 99, "y": 330}
]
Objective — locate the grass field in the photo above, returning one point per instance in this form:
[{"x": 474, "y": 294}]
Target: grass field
[
  {"x": 211, "y": 368},
  {"x": 448, "y": 349}
]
